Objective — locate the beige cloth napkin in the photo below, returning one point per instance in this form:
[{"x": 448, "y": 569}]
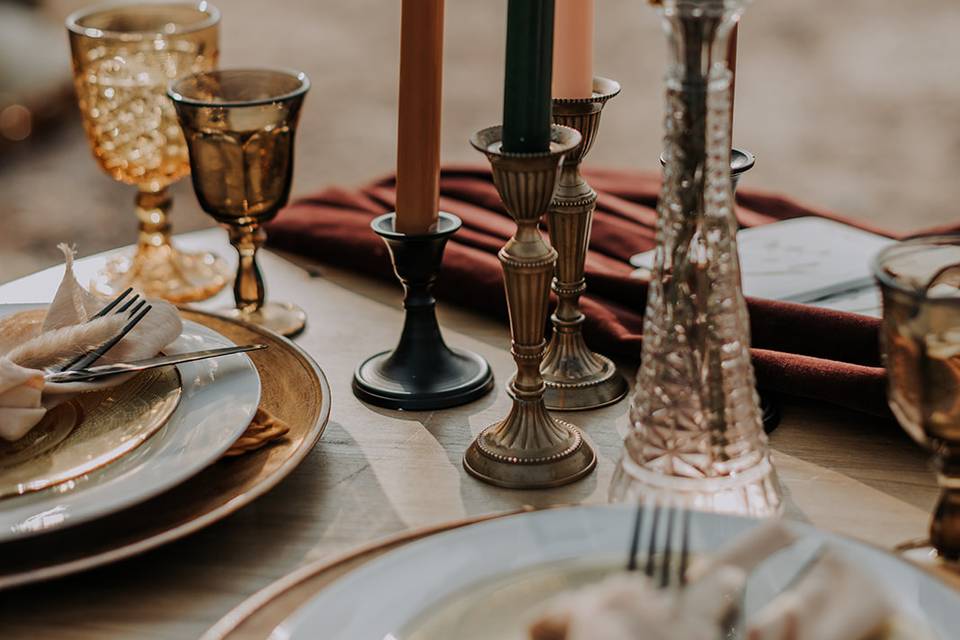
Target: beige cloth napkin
[
  {"x": 628, "y": 606},
  {"x": 833, "y": 601},
  {"x": 32, "y": 342}
]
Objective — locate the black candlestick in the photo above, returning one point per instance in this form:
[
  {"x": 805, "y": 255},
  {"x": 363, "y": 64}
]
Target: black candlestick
[{"x": 422, "y": 372}]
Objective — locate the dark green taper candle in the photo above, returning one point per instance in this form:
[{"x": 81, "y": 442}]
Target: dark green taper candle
[{"x": 527, "y": 100}]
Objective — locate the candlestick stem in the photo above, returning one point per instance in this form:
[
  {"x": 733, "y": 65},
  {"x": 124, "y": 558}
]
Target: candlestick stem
[
  {"x": 529, "y": 448},
  {"x": 575, "y": 376}
]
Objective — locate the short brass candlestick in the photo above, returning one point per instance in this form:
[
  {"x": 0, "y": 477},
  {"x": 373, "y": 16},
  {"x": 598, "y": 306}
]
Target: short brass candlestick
[
  {"x": 576, "y": 377},
  {"x": 528, "y": 449}
]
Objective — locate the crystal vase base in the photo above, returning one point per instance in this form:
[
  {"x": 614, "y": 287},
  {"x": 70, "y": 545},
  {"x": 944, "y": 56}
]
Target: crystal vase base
[{"x": 754, "y": 492}]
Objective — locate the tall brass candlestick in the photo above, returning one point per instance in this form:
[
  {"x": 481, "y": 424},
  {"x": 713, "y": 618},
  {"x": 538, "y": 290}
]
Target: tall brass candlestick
[
  {"x": 529, "y": 448},
  {"x": 576, "y": 377}
]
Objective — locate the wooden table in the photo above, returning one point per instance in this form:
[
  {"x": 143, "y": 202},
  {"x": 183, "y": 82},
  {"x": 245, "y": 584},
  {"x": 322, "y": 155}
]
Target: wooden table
[{"x": 376, "y": 472}]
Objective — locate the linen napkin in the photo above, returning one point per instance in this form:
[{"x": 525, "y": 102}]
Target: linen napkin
[
  {"x": 833, "y": 601},
  {"x": 628, "y": 606},
  {"x": 800, "y": 350},
  {"x": 33, "y": 341}
]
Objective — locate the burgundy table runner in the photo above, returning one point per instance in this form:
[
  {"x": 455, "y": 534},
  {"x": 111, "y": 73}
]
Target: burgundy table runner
[{"x": 799, "y": 350}]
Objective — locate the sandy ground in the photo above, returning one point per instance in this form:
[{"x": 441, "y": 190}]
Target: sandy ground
[{"x": 853, "y": 106}]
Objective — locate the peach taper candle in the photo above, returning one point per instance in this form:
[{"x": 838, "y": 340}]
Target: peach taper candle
[
  {"x": 573, "y": 49},
  {"x": 418, "y": 133}
]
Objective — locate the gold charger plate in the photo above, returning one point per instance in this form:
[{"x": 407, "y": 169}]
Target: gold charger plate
[
  {"x": 88, "y": 432},
  {"x": 293, "y": 389}
]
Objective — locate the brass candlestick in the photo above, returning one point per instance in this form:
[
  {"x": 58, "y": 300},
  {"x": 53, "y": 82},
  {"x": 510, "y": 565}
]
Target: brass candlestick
[
  {"x": 528, "y": 449},
  {"x": 576, "y": 377}
]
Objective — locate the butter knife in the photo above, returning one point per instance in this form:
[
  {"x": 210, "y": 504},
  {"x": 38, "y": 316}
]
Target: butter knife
[{"x": 91, "y": 373}]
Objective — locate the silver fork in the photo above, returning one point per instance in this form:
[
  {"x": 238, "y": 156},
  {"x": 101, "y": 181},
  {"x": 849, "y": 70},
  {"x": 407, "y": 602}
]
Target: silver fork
[
  {"x": 136, "y": 309},
  {"x": 662, "y": 573},
  {"x": 671, "y": 570}
]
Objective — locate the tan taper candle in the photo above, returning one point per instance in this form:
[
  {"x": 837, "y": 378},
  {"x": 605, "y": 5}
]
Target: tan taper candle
[
  {"x": 573, "y": 49},
  {"x": 418, "y": 135}
]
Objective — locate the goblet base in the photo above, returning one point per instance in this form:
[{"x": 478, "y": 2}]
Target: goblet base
[
  {"x": 280, "y": 317},
  {"x": 922, "y": 552},
  {"x": 163, "y": 272}
]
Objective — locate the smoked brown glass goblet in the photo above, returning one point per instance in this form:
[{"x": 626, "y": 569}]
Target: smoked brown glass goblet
[
  {"x": 240, "y": 126},
  {"x": 920, "y": 334},
  {"x": 123, "y": 58}
]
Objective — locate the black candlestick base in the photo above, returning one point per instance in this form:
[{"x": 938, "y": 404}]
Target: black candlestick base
[{"x": 422, "y": 373}]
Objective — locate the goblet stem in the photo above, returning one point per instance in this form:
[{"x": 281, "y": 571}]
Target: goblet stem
[
  {"x": 248, "y": 289},
  {"x": 157, "y": 268},
  {"x": 945, "y": 526},
  {"x": 152, "y": 211}
]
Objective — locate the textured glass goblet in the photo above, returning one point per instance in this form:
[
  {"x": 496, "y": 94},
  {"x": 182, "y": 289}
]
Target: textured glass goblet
[
  {"x": 920, "y": 335},
  {"x": 240, "y": 126},
  {"x": 123, "y": 58}
]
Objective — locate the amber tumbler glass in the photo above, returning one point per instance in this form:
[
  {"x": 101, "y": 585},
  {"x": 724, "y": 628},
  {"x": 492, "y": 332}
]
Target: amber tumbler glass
[
  {"x": 123, "y": 58},
  {"x": 240, "y": 126}
]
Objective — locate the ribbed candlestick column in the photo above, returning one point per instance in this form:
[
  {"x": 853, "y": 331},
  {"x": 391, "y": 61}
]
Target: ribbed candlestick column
[
  {"x": 529, "y": 448},
  {"x": 576, "y": 377}
]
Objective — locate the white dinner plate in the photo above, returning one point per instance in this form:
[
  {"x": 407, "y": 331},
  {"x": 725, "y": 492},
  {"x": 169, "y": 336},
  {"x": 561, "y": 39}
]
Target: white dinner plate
[
  {"x": 406, "y": 594},
  {"x": 219, "y": 399}
]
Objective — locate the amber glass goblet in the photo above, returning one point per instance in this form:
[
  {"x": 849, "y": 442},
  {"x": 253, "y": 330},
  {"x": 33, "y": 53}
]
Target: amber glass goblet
[
  {"x": 920, "y": 334},
  {"x": 240, "y": 126},
  {"x": 123, "y": 58}
]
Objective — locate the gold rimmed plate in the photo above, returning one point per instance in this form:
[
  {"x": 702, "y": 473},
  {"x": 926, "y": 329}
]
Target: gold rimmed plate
[
  {"x": 89, "y": 432},
  {"x": 293, "y": 389}
]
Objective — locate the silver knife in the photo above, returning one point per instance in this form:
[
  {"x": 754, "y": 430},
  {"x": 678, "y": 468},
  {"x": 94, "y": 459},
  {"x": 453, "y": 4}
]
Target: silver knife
[{"x": 82, "y": 375}]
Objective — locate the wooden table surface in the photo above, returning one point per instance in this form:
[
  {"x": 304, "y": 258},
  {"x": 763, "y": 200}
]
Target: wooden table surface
[{"x": 377, "y": 472}]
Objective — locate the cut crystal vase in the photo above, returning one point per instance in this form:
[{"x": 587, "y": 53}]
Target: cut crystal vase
[{"x": 696, "y": 437}]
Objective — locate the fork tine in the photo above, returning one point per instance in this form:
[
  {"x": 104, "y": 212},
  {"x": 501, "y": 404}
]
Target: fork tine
[
  {"x": 135, "y": 309},
  {"x": 107, "y": 309},
  {"x": 91, "y": 357},
  {"x": 128, "y": 303},
  {"x": 667, "y": 561},
  {"x": 652, "y": 547},
  {"x": 684, "y": 546},
  {"x": 635, "y": 540}
]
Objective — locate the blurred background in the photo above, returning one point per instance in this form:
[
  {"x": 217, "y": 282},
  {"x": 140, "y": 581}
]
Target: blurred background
[{"x": 852, "y": 106}]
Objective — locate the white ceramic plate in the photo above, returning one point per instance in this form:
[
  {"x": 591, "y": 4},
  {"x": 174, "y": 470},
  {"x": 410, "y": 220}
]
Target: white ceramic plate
[
  {"x": 220, "y": 397},
  {"x": 405, "y": 594}
]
